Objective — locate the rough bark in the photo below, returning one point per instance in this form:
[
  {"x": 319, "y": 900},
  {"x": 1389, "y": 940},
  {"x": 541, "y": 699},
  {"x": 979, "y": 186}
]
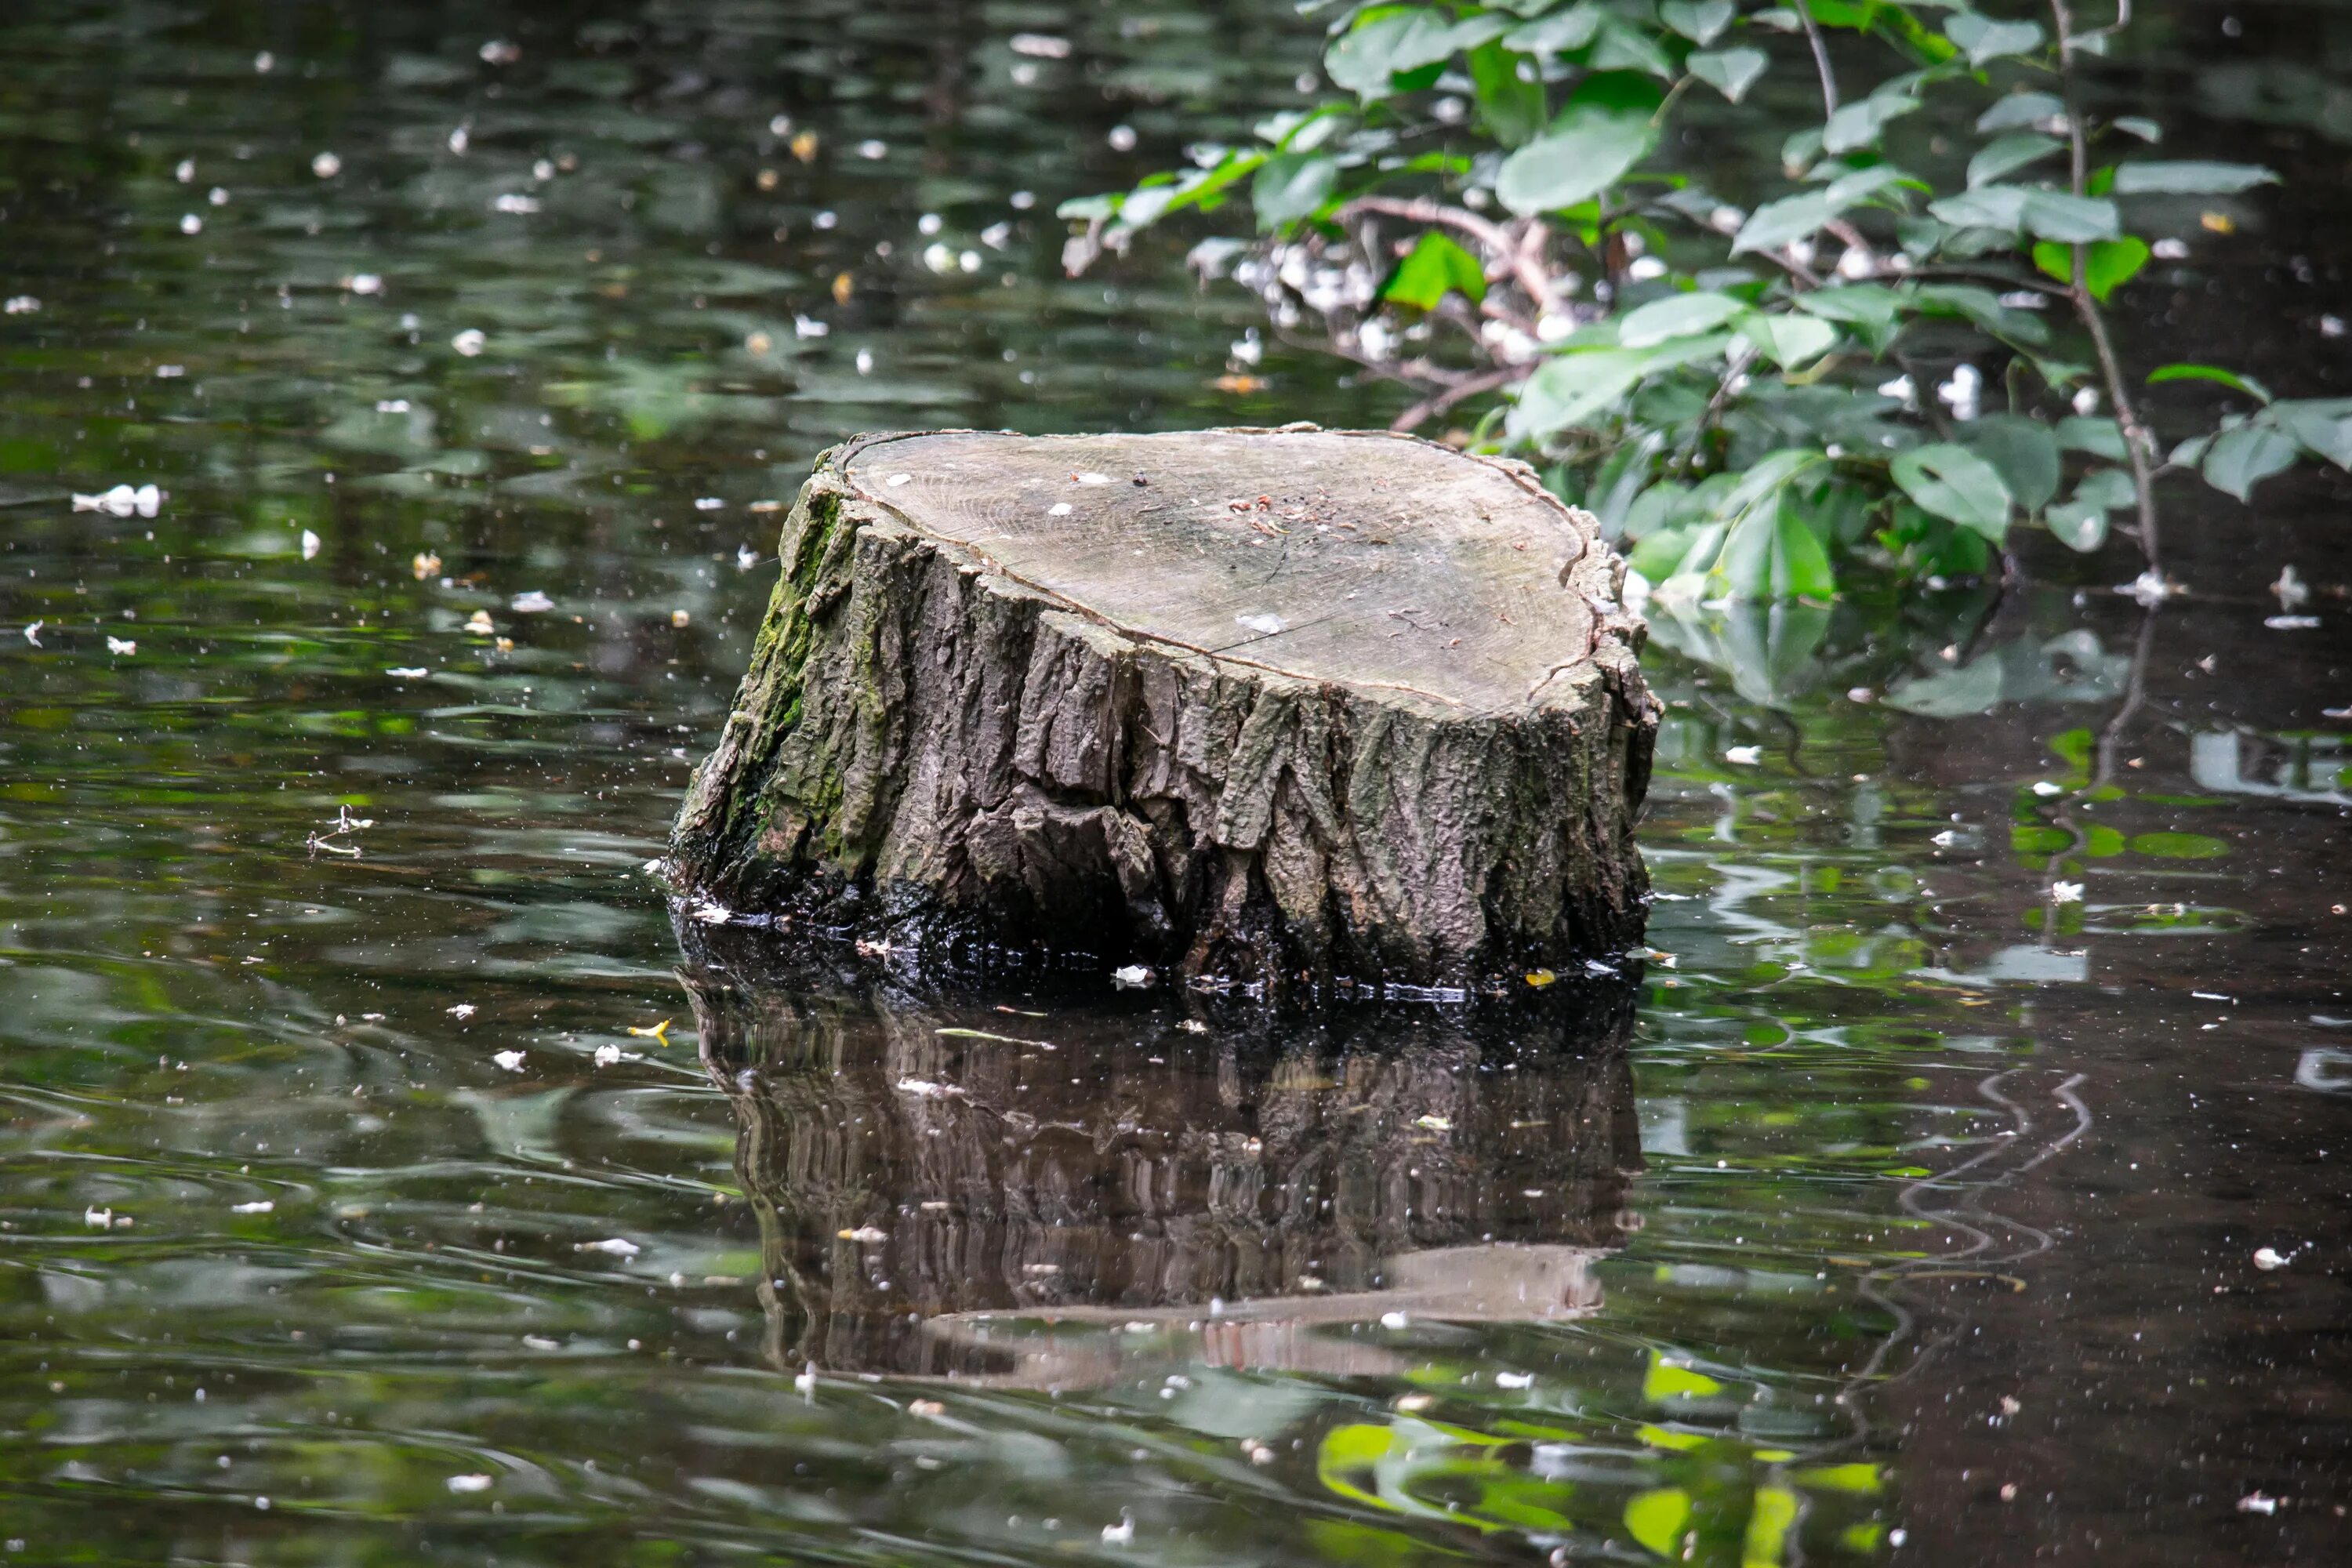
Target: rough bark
[{"x": 1260, "y": 703}]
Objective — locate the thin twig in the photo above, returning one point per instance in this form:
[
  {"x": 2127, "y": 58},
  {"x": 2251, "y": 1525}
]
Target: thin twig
[
  {"x": 2137, "y": 439},
  {"x": 1820, "y": 60},
  {"x": 1429, "y": 407}
]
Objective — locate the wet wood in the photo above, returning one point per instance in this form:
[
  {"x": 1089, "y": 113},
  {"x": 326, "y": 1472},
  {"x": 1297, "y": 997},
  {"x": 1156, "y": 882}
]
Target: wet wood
[{"x": 1257, "y": 703}]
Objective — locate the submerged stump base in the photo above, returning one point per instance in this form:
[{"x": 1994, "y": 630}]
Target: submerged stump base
[{"x": 1259, "y": 705}]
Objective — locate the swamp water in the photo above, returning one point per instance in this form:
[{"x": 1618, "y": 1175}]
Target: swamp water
[{"x": 356, "y": 1205}]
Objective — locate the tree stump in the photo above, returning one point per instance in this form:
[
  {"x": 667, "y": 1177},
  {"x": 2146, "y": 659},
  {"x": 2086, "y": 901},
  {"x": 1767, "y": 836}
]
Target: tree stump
[{"x": 1262, "y": 704}]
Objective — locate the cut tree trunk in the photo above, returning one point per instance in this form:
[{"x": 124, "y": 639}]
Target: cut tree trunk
[{"x": 1262, "y": 704}]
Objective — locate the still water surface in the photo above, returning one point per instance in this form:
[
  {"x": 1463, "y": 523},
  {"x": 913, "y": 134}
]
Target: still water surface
[{"x": 356, "y": 1206}]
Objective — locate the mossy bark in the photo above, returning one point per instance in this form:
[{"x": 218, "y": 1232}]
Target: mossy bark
[{"x": 932, "y": 750}]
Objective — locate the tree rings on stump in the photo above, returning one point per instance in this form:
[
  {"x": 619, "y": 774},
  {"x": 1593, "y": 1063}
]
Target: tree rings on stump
[{"x": 1258, "y": 704}]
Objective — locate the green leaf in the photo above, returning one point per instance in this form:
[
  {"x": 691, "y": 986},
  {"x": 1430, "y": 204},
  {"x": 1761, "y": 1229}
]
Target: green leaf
[
  {"x": 1509, "y": 106},
  {"x": 1605, "y": 129},
  {"x": 1675, "y": 316},
  {"x": 2242, "y": 458},
  {"x": 1700, "y": 21},
  {"x": 2147, "y": 130},
  {"x": 2080, "y": 523},
  {"x": 2323, "y": 426},
  {"x": 1624, "y": 47},
  {"x": 2098, "y": 437},
  {"x": 1730, "y": 72},
  {"x": 1983, "y": 307},
  {"x": 1656, "y": 1519},
  {"x": 1861, "y": 123},
  {"x": 1872, "y": 306},
  {"x": 2179, "y": 845},
  {"x": 1989, "y": 207},
  {"x": 2194, "y": 179},
  {"x": 2213, "y": 373},
  {"x": 1569, "y": 389},
  {"x": 2107, "y": 266},
  {"x": 2055, "y": 215},
  {"x": 1986, "y": 39},
  {"x": 2022, "y": 451},
  {"x": 1789, "y": 341},
  {"x": 1957, "y": 485},
  {"x": 2051, "y": 215},
  {"x": 1571, "y": 28},
  {"x": 1292, "y": 185},
  {"x": 1434, "y": 267},
  {"x": 1771, "y": 554},
  {"x": 1776, "y": 224},
  {"x": 2007, "y": 155},
  {"x": 2022, "y": 110},
  {"x": 1388, "y": 39}
]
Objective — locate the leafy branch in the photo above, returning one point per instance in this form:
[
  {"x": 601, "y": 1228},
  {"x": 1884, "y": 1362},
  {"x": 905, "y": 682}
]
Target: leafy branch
[{"x": 1760, "y": 371}]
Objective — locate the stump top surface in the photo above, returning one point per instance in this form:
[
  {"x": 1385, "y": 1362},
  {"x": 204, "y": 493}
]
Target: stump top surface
[{"x": 1364, "y": 559}]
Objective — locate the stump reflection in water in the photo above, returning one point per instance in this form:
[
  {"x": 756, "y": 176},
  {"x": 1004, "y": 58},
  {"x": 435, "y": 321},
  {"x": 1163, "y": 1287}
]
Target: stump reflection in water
[{"x": 1063, "y": 1192}]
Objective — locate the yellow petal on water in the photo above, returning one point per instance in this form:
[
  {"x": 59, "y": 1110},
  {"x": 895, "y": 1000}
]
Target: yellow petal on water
[
  {"x": 659, "y": 1033},
  {"x": 424, "y": 563},
  {"x": 2217, "y": 223},
  {"x": 844, "y": 286},
  {"x": 1540, "y": 977},
  {"x": 804, "y": 146}
]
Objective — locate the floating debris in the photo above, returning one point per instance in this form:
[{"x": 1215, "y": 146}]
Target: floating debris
[
  {"x": 2268, "y": 1258},
  {"x": 470, "y": 342},
  {"x": 1746, "y": 756},
  {"x": 2293, "y": 592},
  {"x": 711, "y": 913},
  {"x": 122, "y": 646},
  {"x": 424, "y": 564},
  {"x": 865, "y": 1234},
  {"x": 657, "y": 1033},
  {"x": 122, "y": 500},
  {"x": 924, "y": 1089},
  {"x": 462, "y": 1011},
  {"x": 680, "y": 619},
  {"x": 1122, "y": 1533},
  {"x": 2065, "y": 892},
  {"x": 510, "y": 1060},
  {"x": 1059, "y": 509},
  {"x": 532, "y": 602},
  {"x": 311, "y": 545},
  {"x": 21, "y": 305},
  {"x": 262, "y": 1205},
  {"x": 1394, "y": 1320},
  {"x": 326, "y": 166},
  {"x": 1132, "y": 977},
  {"x": 2258, "y": 1502},
  {"x": 614, "y": 1247},
  {"x": 408, "y": 671},
  {"x": 480, "y": 624},
  {"x": 1434, "y": 1123},
  {"x": 1515, "y": 1380},
  {"x": 1039, "y": 46},
  {"x": 470, "y": 1483}
]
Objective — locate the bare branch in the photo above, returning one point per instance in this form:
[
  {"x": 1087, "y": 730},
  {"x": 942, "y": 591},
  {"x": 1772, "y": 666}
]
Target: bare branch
[
  {"x": 1429, "y": 407},
  {"x": 2138, "y": 441}
]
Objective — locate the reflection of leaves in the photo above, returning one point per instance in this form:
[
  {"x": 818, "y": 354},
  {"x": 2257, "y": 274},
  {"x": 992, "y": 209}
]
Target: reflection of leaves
[
  {"x": 1767, "y": 649},
  {"x": 2069, "y": 668}
]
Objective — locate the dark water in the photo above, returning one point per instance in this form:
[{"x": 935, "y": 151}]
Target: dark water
[{"x": 1911, "y": 1215}]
